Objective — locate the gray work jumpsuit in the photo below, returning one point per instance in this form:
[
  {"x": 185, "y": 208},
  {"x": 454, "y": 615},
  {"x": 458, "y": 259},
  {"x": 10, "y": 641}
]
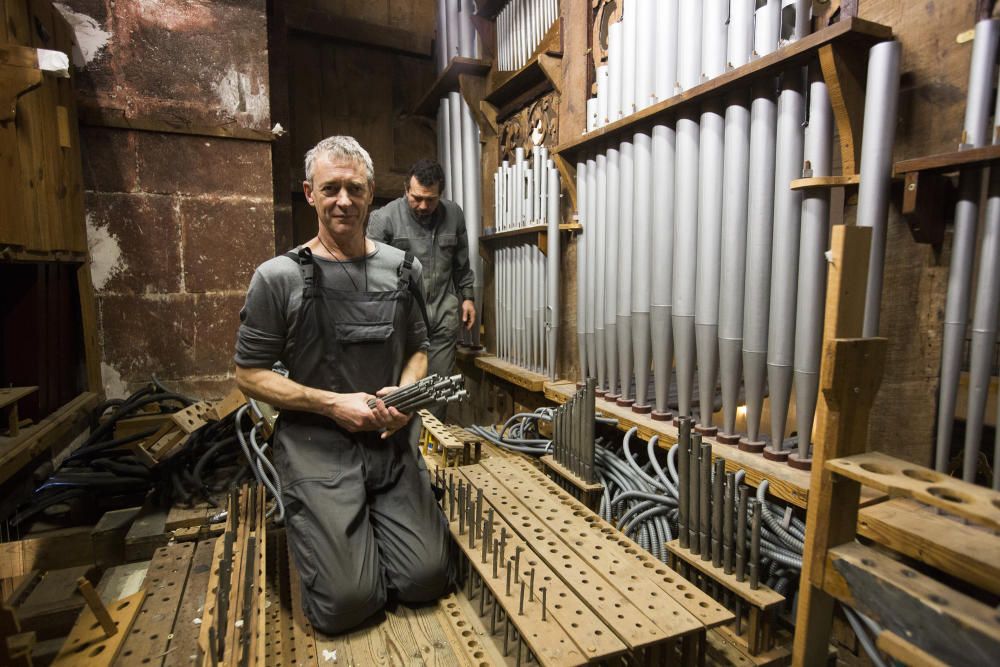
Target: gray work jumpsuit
[
  {"x": 361, "y": 519},
  {"x": 442, "y": 247}
]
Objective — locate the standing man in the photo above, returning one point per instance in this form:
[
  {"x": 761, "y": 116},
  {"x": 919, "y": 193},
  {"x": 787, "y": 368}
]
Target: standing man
[
  {"x": 433, "y": 229},
  {"x": 341, "y": 312}
]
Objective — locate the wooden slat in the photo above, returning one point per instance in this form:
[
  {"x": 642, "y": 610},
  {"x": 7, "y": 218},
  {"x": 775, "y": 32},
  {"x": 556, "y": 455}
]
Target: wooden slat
[
  {"x": 56, "y": 549},
  {"x": 511, "y": 373},
  {"x": 857, "y": 32},
  {"x": 11, "y": 395},
  {"x": 762, "y": 598},
  {"x": 448, "y": 82},
  {"x": 923, "y": 533},
  {"x": 905, "y": 652},
  {"x": 903, "y": 479},
  {"x": 826, "y": 182},
  {"x": 88, "y": 641},
  {"x": 951, "y": 161},
  {"x": 184, "y": 643},
  {"x": 935, "y": 618}
]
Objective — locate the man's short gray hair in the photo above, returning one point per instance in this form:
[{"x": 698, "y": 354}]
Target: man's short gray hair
[{"x": 344, "y": 147}]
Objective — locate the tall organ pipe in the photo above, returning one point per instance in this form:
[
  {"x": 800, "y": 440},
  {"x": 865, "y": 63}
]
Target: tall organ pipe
[
  {"x": 451, "y": 26},
  {"x": 661, "y": 306},
  {"x": 881, "y": 97},
  {"x": 956, "y": 310},
  {"x": 455, "y": 126},
  {"x": 813, "y": 244},
  {"x": 612, "y": 229},
  {"x": 615, "y": 70},
  {"x": 581, "y": 268},
  {"x": 598, "y": 272},
  {"x": 471, "y": 179},
  {"x": 734, "y": 218},
  {"x": 444, "y": 145},
  {"x": 686, "y": 205},
  {"x": 441, "y": 54},
  {"x": 628, "y": 53},
  {"x": 645, "y": 48},
  {"x": 466, "y": 30},
  {"x": 785, "y": 251},
  {"x": 626, "y": 195},
  {"x": 641, "y": 251},
  {"x": 591, "y": 250},
  {"x": 666, "y": 50},
  {"x": 710, "y": 193},
  {"x": 760, "y": 203},
  {"x": 552, "y": 281},
  {"x": 984, "y": 318}
]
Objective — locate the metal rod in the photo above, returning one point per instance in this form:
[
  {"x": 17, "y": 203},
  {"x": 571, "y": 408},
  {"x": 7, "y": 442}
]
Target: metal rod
[
  {"x": 683, "y": 477},
  {"x": 705, "y": 510},
  {"x": 727, "y": 528},
  {"x": 718, "y": 488},
  {"x": 741, "y": 535},
  {"x": 755, "y": 546}
]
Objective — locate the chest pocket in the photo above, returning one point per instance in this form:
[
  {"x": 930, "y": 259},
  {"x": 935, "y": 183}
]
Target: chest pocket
[
  {"x": 402, "y": 242},
  {"x": 448, "y": 241},
  {"x": 364, "y": 317}
]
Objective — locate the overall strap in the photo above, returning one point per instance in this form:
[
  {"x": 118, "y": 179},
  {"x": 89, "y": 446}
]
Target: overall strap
[
  {"x": 304, "y": 258},
  {"x": 405, "y": 273}
]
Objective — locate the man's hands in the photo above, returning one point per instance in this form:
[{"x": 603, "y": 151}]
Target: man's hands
[
  {"x": 468, "y": 313},
  {"x": 351, "y": 412}
]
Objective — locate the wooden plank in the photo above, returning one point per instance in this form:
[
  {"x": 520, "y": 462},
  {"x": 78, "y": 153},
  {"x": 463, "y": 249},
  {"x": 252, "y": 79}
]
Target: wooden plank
[
  {"x": 54, "y": 603},
  {"x": 108, "y": 536},
  {"x": 511, "y": 373},
  {"x": 528, "y": 231},
  {"x": 11, "y": 395},
  {"x": 826, "y": 182},
  {"x": 52, "y": 433},
  {"x": 923, "y": 533},
  {"x": 935, "y": 618},
  {"x": 448, "y": 82},
  {"x": 949, "y": 162},
  {"x": 762, "y": 598},
  {"x": 905, "y": 652},
  {"x": 595, "y": 536},
  {"x": 88, "y": 641},
  {"x": 349, "y": 29},
  {"x": 147, "y": 533},
  {"x": 54, "y": 550},
  {"x": 855, "y": 32},
  {"x": 183, "y": 648},
  {"x": 98, "y": 116},
  {"x": 903, "y": 479},
  {"x": 568, "y": 475},
  {"x": 844, "y": 71}
]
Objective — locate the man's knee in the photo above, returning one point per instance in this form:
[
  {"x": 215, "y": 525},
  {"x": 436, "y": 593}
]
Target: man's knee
[
  {"x": 428, "y": 579},
  {"x": 334, "y": 607}
]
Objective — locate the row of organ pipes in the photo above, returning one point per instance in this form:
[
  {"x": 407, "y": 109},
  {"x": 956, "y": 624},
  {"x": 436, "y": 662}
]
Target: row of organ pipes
[
  {"x": 696, "y": 254},
  {"x": 526, "y": 282},
  {"x": 456, "y": 33},
  {"x": 521, "y": 26}
]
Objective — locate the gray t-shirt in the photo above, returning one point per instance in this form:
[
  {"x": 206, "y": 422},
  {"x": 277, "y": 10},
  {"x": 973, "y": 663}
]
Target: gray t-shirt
[{"x": 269, "y": 320}]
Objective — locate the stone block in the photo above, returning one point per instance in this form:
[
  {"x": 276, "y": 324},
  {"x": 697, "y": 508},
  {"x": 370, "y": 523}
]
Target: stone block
[{"x": 224, "y": 241}]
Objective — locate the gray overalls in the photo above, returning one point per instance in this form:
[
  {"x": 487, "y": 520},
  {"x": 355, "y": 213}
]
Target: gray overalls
[{"x": 360, "y": 518}]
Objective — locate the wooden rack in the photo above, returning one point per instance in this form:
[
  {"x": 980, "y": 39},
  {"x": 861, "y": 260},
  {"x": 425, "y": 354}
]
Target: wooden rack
[
  {"x": 514, "y": 374},
  {"x": 536, "y": 234}
]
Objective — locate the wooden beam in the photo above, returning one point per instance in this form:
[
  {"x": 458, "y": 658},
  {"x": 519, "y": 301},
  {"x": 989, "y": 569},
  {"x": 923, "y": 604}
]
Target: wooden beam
[
  {"x": 327, "y": 24},
  {"x": 935, "y": 618},
  {"x": 845, "y": 69},
  {"x": 53, "y": 550},
  {"x": 96, "y": 116}
]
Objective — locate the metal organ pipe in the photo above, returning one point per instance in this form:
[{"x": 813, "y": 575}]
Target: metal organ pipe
[
  {"x": 612, "y": 228},
  {"x": 956, "y": 314},
  {"x": 471, "y": 179},
  {"x": 591, "y": 248},
  {"x": 444, "y": 145},
  {"x": 760, "y": 202},
  {"x": 581, "y": 268},
  {"x": 603, "y": 72},
  {"x": 455, "y": 134},
  {"x": 710, "y": 193},
  {"x": 552, "y": 280},
  {"x": 628, "y": 53},
  {"x": 686, "y": 204},
  {"x": 626, "y": 195},
  {"x": 645, "y": 52},
  {"x": 666, "y": 50},
  {"x": 736, "y": 167},
  {"x": 615, "y": 68},
  {"x": 598, "y": 273},
  {"x": 785, "y": 251},
  {"x": 813, "y": 243},
  {"x": 641, "y": 250},
  {"x": 881, "y": 96},
  {"x": 661, "y": 304}
]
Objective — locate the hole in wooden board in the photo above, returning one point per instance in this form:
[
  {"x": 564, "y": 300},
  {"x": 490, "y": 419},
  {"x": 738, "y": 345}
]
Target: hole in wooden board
[
  {"x": 97, "y": 650},
  {"x": 922, "y": 475},
  {"x": 875, "y": 468},
  {"x": 949, "y": 495}
]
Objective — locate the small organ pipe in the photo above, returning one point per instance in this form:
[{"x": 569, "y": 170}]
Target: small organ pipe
[
  {"x": 956, "y": 313},
  {"x": 645, "y": 49},
  {"x": 615, "y": 70},
  {"x": 629, "y": 56},
  {"x": 813, "y": 243},
  {"x": 736, "y": 169},
  {"x": 626, "y": 222},
  {"x": 603, "y": 95},
  {"x": 785, "y": 251},
  {"x": 666, "y": 49},
  {"x": 683, "y": 477},
  {"x": 612, "y": 228},
  {"x": 881, "y": 98},
  {"x": 466, "y": 30},
  {"x": 641, "y": 253}
]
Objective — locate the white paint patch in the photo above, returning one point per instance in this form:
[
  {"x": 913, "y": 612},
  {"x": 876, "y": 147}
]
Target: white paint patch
[
  {"x": 91, "y": 38},
  {"x": 237, "y": 96},
  {"x": 329, "y": 655},
  {"x": 106, "y": 259},
  {"x": 114, "y": 385}
]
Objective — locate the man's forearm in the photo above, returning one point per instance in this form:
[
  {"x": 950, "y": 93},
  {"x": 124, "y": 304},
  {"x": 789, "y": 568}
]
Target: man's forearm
[
  {"x": 415, "y": 369},
  {"x": 276, "y": 390}
]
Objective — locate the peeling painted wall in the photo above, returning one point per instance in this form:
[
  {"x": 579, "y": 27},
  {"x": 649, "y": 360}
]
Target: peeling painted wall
[{"x": 176, "y": 223}]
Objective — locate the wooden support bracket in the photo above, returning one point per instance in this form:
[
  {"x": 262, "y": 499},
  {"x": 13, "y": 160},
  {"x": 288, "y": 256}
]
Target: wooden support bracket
[
  {"x": 845, "y": 71},
  {"x": 14, "y": 82}
]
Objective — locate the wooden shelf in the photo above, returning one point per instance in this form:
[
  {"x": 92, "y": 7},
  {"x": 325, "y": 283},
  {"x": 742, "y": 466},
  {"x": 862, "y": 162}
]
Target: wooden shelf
[
  {"x": 811, "y": 182},
  {"x": 945, "y": 162},
  {"x": 855, "y": 32},
  {"x": 514, "y": 374},
  {"x": 537, "y": 234},
  {"x": 509, "y": 92},
  {"x": 448, "y": 82}
]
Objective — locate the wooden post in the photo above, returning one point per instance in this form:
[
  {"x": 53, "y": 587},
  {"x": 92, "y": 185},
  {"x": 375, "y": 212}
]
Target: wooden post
[{"x": 849, "y": 379}]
